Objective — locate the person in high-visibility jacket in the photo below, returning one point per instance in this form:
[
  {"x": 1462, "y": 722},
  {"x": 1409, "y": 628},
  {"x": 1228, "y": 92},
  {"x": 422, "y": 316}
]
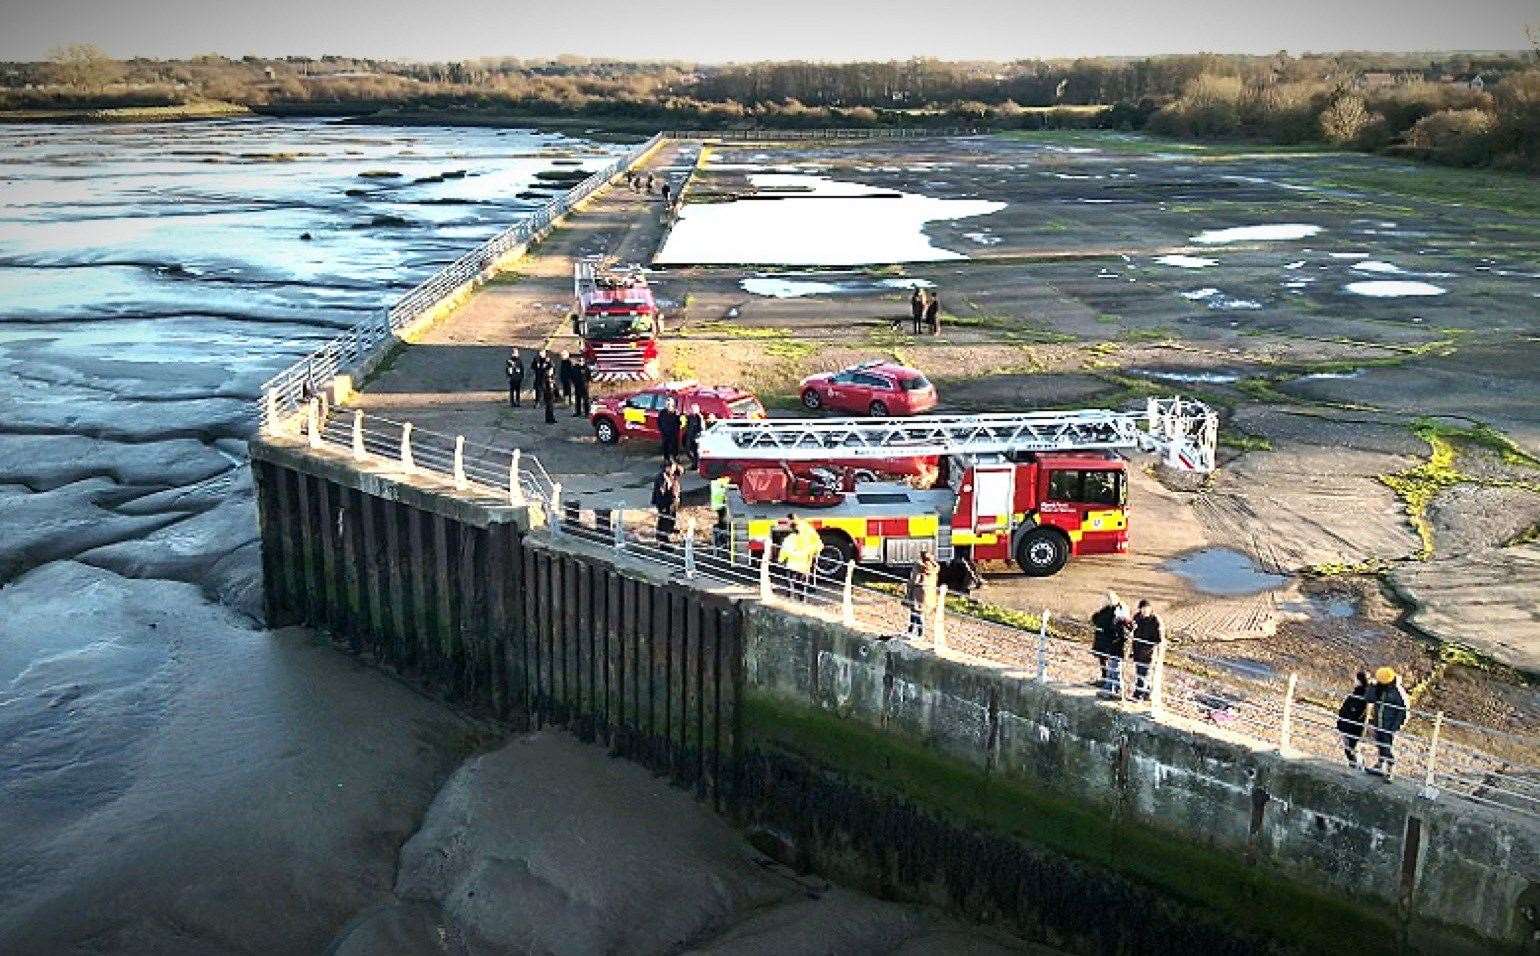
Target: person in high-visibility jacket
[{"x": 798, "y": 552}]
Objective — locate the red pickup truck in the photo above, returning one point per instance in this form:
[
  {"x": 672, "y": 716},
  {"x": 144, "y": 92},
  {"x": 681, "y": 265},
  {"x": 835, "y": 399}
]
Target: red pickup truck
[{"x": 635, "y": 414}]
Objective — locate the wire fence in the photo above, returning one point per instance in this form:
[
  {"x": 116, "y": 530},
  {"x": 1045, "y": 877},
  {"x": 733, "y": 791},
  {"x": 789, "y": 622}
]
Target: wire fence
[{"x": 286, "y": 393}]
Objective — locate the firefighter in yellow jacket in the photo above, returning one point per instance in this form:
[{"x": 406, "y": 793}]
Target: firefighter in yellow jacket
[{"x": 798, "y": 552}]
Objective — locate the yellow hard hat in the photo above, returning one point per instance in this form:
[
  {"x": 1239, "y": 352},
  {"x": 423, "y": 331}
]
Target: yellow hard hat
[{"x": 1384, "y": 675}]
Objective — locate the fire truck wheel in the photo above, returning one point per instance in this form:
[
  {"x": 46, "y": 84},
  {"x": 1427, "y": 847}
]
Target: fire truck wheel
[
  {"x": 837, "y": 552},
  {"x": 606, "y": 432},
  {"x": 811, "y": 400},
  {"x": 1041, "y": 553},
  {"x": 878, "y": 410}
]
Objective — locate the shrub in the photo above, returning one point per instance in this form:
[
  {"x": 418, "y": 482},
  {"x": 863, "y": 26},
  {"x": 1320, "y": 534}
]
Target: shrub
[
  {"x": 1209, "y": 106},
  {"x": 1457, "y": 137},
  {"x": 1345, "y": 121}
]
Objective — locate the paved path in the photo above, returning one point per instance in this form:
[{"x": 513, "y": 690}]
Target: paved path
[{"x": 452, "y": 380}]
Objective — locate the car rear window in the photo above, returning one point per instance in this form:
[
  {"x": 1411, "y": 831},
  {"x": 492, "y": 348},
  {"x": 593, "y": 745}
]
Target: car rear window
[{"x": 916, "y": 384}]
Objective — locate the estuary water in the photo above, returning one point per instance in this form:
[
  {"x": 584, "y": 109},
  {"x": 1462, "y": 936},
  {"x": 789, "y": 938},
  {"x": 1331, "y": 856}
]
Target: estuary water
[{"x": 174, "y": 778}]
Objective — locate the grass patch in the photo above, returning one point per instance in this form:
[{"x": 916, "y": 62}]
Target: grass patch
[
  {"x": 1341, "y": 569},
  {"x": 1512, "y": 193},
  {"x": 1241, "y": 441}
]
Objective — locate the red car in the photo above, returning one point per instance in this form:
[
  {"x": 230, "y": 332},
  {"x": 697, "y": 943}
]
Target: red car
[
  {"x": 876, "y": 389},
  {"x": 635, "y": 414}
]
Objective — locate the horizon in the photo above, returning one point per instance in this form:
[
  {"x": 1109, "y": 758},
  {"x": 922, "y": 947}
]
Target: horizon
[{"x": 803, "y": 30}]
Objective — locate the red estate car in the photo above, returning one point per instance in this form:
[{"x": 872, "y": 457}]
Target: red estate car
[
  {"x": 635, "y": 414},
  {"x": 877, "y": 389}
]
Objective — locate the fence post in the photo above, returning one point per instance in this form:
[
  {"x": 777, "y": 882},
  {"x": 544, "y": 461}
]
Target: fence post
[
  {"x": 554, "y": 518},
  {"x": 939, "y": 638},
  {"x": 847, "y": 599},
  {"x": 689, "y": 548},
  {"x": 313, "y": 422},
  {"x": 1429, "y": 791},
  {"x": 1158, "y": 681},
  {"x": 764, "y": 572},
  {"x": 358, "y": 435},
  {"x": 618, "y": 528},
  {"x": 1288, "y": 715},
  {"x": 459, "y": 462},
  {"x": 1042, "y": 647},
  {"x": 515, "y": 486},
  {"x": 406, "y": 448}
]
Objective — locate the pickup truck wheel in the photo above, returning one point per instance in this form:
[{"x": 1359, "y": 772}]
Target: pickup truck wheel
[
  {"x": 878, "y": 410},
  {"x": 1042, "y": 552},
  {"x": 606, "y": 432},
  {"x": 811, "y": 400}
]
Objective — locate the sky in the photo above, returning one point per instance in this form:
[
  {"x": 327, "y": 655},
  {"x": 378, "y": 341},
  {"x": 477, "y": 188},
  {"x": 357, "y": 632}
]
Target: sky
[{"x": 724, "y": 30}]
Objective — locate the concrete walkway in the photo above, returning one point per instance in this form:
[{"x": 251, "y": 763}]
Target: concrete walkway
[{"x": 452, "y": 380}]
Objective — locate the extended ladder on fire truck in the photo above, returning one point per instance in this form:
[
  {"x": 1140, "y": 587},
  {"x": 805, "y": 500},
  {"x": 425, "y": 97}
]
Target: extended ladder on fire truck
[{"x": 1184, "y": 432}]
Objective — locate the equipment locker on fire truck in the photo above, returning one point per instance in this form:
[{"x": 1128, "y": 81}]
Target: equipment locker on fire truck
[{"x": 1033, "y": 488}]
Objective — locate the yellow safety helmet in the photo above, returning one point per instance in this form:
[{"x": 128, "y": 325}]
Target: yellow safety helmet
[{"x": 1384, "y": 675}]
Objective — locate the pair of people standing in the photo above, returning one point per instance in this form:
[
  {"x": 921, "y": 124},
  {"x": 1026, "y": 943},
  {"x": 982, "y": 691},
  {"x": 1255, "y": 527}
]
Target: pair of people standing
[
  {"x": 681, "y": 432},
  {"x": 1113, "y": 629},
  {"x": 924, "y": 311},
  {"x": 1387, "y": 697}
]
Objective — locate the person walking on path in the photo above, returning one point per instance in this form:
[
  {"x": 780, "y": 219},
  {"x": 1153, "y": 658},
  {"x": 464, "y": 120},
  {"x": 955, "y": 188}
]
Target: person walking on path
[
  {"x": 668, "y": 429},
  {"x": 548, "y": 391},
  {"x": 917, "y": 308},
  {"x": 1389, "y": 700},
  {"x": 1112, "y": 625},
  {"x": 1147, "y": 635},
  {"x": 694, "y": 424},
  {"x": 932, "y": 314},
  {"x": 537, "y": 369},
  {"x": 665, "y": 194},
  {"x": 1351, "y": 717},
  {"x": 649, "y": 183},
  {"x": 920, "y": 594},
  {"x": 515, "y": 372},
  {"x": 665, "y": 498},
  {"x": 581, "y": 404}
]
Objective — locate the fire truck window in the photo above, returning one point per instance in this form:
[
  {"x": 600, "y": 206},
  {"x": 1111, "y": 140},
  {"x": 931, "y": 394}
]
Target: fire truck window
[
  {"x": 1101, "y": 488},
  {"x": 1064, "y": 486}
]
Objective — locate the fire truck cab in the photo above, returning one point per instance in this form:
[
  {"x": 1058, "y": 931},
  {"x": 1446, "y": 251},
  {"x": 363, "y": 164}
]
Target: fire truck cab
[
  {"x": 1033, "y": 489},
  {"x": 618, "y": 320}
]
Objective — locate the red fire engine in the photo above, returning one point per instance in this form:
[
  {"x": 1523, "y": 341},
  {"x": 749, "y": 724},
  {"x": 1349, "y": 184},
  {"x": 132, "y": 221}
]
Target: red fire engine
[
  {"x": 1033, "y": 488},
  {"x": 617, "y": 319}
]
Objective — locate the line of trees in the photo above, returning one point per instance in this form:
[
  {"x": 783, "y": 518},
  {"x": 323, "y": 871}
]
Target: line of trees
[{"x": 1276, "y": 98}]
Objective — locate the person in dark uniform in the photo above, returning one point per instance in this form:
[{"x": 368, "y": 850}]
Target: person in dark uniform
[
  {"x": 564, "y": 376},
  {"x": 665, "y": 498},
  {"x": 932, "y": 314},
  {"x": 515, "y": 371},
  {"x": 694, "y": 424},
  {"x": 548, "y": 392},
  {"x": 665, "y": 193},
  {"x": 668, "y": 428},
  {"x": 916, "y": 310},
  {"x": 580, "y": 376},
  {"x": 537, "y": 369}
]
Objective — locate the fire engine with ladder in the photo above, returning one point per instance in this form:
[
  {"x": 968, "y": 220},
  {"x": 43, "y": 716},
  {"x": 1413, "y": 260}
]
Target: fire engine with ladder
[
  {"x": 617, "y": 319},
  {"x": 1033, "y": 488}
]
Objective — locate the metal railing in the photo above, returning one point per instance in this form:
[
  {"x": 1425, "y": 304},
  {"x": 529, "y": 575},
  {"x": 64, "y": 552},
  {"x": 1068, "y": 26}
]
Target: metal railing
[
  {"x": 758, "y": 134},
  {"x": 285, "y": 393}
]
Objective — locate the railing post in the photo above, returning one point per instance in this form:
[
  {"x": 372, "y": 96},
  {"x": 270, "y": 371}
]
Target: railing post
[
  {"x": 459, "y": 463},
  {"x": 689, "y": 549},
  {"x": 271, "y": 396},
  {"x": 406, "y": 448},
  {"x": 1429, "y": 790},
  {"x": 554, "y": 518},
  {"x": 1042, "y": 647},
  {"x": 618, "y": 527},
  {"x": 1288, "y": 715},
  {"x": 764, "y": 571},
  {"x": 515, "y": 486},
  {"x": 847, "y": 598},
  {"x": 939, "y": 636},
  {"x": 1158, "y": 681},
  {"x": 358, "y": 435},
  {"x": 313, "y": 422}
]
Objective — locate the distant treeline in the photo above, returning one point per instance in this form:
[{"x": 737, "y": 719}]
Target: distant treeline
[{"x": 1457, "y": 108}]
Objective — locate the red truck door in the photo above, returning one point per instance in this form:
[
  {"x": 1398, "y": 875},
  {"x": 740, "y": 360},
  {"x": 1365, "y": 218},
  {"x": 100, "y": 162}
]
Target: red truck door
[{"x": 641, "y": 416}]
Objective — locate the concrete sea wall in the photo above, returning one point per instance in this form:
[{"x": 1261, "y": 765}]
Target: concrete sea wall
[{"x": 917, "y": 777}]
